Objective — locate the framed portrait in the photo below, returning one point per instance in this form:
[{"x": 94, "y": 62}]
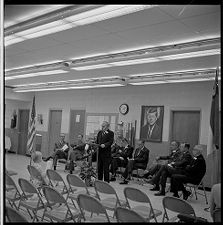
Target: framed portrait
[{"x": 151, "y": 126}]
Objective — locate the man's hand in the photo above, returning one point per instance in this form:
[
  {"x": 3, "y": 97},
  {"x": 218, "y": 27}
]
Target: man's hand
[
  {"x": 121, "y": 158},
  {"x": 102, "y": 145},
  {"x": 157, "y": 158},
  {"x": 120, "y": 151}
]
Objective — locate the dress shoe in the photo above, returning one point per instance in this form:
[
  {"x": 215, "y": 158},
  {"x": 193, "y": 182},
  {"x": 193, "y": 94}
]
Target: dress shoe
[
  {"x": 186, "y": 194},
  {"x": 150, "y": 181},
  {"x": 113, "y": 179},
  {"x": 160, "y": 193},
  {"x": 176, "y": 195},
  {"x": 124, "y": 182},
  {"x": 155, "y": 188}
]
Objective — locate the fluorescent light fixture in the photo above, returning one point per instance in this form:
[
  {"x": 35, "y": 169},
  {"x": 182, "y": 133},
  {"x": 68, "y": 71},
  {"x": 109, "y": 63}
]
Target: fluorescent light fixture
[
  {"x": 151, "y": 59},
  {"x": 104, "y": 13},
  {"x": 12, "y": 39},
  {"x": 35, "y": 74},
  {"x": 66, "y": 88},
  {"x": 67, "y": 21},
  {"x": 149, "y": 82}
]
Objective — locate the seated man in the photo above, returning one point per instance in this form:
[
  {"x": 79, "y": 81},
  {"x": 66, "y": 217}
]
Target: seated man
[
  {"x": 175, "y": 153},
  {"x": 61, "y": 150},
  {"x": 193, "y": 173},
  {"x": 120, "y": 158},
  {"x": 168, "y": 170},
  {"x": 139, "y": 161}
]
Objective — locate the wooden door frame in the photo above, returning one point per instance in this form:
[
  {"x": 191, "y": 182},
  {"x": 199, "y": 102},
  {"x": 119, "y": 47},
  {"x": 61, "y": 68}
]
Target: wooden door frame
[
  {"x": 184, "y": 109},
  {"x": 49, "y": 118},
  {"x": 84, "y": 121}
]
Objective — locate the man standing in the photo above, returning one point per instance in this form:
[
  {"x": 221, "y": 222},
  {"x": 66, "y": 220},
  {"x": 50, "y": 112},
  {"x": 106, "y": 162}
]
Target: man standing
[
  {"x": 104, "y": 139},
  {"x": 139, "y": 161}
]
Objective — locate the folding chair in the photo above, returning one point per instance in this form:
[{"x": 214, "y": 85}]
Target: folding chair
[
  {"x": 31, "y": 199},
  {"x": 194, "y": 190},
  {"x": 217, "y": 215},
  {"x": 146, "y": 209},
  {"x": 12, "y": 193},
  {"x": 76, "y": 186},
  {"x": 57, "y": 208},
  {"x": 56, "y": 181},
  {"x": 14, "y": 216},
  {"x": 178, "y": 206},
  {"x": 89, "y": 204},
  {"x": 107, "y": 195},
  {"x": 36, "y": 178},
  {"x": 128, "y": 216}
]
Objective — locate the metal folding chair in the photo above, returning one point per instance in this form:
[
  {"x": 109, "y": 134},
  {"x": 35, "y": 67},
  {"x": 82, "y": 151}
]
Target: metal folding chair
[
  {"x": 107, "y": 195},
  {"x": 12, "y": 194},
  {"x": 56, "y": 181},
  {"x": 217, "y": 215},
  {"x": 146, "y": 209},
  {"x": 57, "y": 208},
  {"x": 76, "y": 186},
  {"x": 14, "y": 216},
  {"x": 128, "y": 216},
  {"x": 89, "y": 204},
  {"x": 31, "y": 199}
]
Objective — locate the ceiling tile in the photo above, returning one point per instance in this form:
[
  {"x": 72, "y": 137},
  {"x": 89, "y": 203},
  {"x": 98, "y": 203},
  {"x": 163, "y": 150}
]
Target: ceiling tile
[
  {"x": 134, "y": 20},
  {"x": 184, "y": 11}
]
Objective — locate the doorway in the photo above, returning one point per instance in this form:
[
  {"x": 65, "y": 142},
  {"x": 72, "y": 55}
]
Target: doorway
[
  {"x": 23, "y": 123},
  {"x": 185, "y": 126},
  {"x": 54, "y": 129}
]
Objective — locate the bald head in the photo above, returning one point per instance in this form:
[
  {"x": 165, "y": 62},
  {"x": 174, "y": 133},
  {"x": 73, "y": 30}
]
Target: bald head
[{"x": 105, "y": 125}]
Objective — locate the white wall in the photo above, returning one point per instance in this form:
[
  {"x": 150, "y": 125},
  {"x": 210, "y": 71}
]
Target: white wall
[{"x": 196, "y": 95}]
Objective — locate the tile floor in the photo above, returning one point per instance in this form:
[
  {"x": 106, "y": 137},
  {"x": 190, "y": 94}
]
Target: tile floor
[{"x": 19, "y": 164}]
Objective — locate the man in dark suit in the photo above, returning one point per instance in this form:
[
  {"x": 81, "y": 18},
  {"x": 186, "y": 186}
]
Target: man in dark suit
[
  {"x": 104, "y": 139},
  {"x": 193, "y": 173},
  {"x": 168, "y": 170},
  {"x": 140, "y": 160},
  {"x": 151, "y": 131},
  {"x": 61, "y": 150},
  {"x": 120, "y": 158}
]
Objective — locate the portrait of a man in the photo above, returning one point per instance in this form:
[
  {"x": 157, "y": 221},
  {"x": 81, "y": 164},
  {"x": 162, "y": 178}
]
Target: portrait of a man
[{"x": 152, "y": 123}]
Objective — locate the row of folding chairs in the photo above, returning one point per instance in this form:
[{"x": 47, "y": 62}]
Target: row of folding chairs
[{"x": 105, "y": 194}]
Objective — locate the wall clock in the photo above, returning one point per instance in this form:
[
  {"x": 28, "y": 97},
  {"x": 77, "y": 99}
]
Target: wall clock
[{"x": 123, "y": 109}]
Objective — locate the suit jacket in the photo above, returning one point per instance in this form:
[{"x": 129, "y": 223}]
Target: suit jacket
[
  {"x": 106, "y": 139},
  {"x": 141, "y": 156},
  {"x": 183, "y": 160},
  {"x": 173, "y": 157},
  {"x": 156, "y": 133},
  {"x": 127, "y": 152},
  {"x": 60, "y": 144},
  {"x": 196, "y": 169}
]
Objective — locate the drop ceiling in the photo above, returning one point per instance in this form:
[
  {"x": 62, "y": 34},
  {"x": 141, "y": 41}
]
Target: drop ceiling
[{"x": 153, "y": 27}]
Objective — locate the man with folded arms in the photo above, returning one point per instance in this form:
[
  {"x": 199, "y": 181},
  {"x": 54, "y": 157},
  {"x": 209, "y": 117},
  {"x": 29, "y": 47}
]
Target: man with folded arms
[
  {"x": 168, "y": 170},
  {"x": 193, "y": 173},
  {"x": 139, "y": 161},
  {"x": 120, "y": 158}
]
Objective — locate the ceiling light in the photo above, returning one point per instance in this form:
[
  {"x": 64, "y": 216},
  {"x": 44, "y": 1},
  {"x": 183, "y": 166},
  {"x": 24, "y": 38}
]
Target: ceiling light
[
  {"x": 98, "y": 66},
  {"x": 68, "y": 18},
  {"x": 44, "y": 73}
]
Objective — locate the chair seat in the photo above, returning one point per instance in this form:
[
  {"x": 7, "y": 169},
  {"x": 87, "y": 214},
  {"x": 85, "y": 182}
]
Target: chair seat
[
  {"x": 109, "y": 203},
  {"x": 59, "y": 213},
  {"x": 73, "y": 195},
  {"x": 11, "y": 195},
  {"x": 144, "y": 211},
  {"x": 31, "y": 204},
  {"x": 98, "y": 219}
]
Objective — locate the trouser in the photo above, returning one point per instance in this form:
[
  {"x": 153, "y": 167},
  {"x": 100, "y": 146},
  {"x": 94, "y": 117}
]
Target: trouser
[
  {"x": 59, "y": 154},
  {"x": 164, "y": 172},
  {"x": 103, "y": 167},
  {"x": 74, "y": 156},
  {"x": 115, "y": 163},
  {"x": 153, "y": 170},
  {"x": 132, "y": 164}
]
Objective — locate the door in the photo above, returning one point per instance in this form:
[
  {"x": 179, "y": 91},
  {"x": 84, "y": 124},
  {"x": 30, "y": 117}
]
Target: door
[
  {"x": 185, "y": 126},
  {"x": 54, "y": 129},
  {"x": 77, "y": 121},
  {"x": 23, "y": 124}
]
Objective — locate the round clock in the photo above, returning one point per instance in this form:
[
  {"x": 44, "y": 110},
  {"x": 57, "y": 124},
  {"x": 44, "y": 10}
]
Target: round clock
[{"x": 123, "y": 109}]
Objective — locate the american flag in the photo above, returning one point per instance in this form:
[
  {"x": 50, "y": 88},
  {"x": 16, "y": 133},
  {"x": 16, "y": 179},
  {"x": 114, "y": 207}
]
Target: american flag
[{"x": 32, "y": 129}]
